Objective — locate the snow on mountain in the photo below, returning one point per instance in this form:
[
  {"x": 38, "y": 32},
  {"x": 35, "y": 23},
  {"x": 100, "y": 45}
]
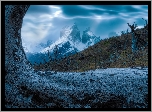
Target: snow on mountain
[
  {"x": 88, "y": 38},
  {"x": 67, "y": 35},
  {"x": 69, "y": 42},
  {"x": 58, "y": 42},
  {"x": 65, "y": 31},
  {"x": 72, "y": 35}
]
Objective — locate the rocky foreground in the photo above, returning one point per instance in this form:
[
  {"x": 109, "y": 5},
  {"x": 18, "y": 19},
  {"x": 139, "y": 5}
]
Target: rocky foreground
[{"x": 102, "y": 88}]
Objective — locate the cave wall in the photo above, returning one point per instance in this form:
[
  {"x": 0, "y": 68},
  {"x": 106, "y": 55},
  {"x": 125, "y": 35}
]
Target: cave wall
[{"x": 15, "y": 58}]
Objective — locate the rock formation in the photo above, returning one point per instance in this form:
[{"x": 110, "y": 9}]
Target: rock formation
[{"x": 15, "y": 57}]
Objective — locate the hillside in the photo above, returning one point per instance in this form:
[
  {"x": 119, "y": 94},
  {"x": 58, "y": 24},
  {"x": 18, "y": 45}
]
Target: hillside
[{"x": 108, "y": 53}]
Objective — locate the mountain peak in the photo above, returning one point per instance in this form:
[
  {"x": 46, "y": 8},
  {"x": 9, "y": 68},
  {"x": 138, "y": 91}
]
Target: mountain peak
[
  {"x": 74, "y": 26},
  {"x": 75, "y": 33},
  {"x": 65, "y": 31},
  {"x": 69, "y": 42},
  {"x": 87, "y": 29},
  {"x": 88, "y": 32},
  {"x": 89, "y": 38}
]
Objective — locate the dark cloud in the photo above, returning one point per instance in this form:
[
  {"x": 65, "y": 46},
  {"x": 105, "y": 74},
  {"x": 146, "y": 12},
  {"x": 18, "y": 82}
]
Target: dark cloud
[
  {"x": 130, "y": 9},
  {"x": 100, "y": 12},
  {"x": 109, "y": 7},
  {"x": 119, "y": 8},
  {"x": 74, "y": 10},
  {"x": 77, "y": 10},
  {"x": 40, "y": 9}
]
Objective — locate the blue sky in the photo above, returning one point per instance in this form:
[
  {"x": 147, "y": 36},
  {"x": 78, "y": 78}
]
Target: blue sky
[{"x": 44, "y": 22}]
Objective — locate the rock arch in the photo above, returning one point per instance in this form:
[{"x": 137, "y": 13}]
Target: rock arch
[
  {"x": 24, "y": 88},
  {"x": 15, "y": 58}
]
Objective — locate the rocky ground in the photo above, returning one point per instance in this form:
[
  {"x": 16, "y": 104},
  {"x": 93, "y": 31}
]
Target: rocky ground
[{"x": 101, "y": 88}]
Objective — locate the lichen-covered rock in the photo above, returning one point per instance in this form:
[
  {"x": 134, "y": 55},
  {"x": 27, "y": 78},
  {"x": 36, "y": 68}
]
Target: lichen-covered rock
[{"x": 15, "y": 58}]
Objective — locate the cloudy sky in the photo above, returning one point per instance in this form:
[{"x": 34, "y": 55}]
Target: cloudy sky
[{"x": 44, "y": 22}]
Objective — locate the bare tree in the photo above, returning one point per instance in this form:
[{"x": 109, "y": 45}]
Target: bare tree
[
  {"x": 133, "y": 27},
  {"x": 146, "y": 22},
  {"x": 134, "y": 38}
]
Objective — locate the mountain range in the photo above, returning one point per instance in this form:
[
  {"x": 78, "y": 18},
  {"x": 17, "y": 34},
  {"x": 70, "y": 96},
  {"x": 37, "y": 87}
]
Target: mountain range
[
  {"x": 70, "y": 42},
  {"x": 113, "y": 52}
]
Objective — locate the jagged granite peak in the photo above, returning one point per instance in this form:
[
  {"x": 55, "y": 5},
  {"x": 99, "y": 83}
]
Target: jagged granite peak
[
  {"x": 75, "y": 33},
  {"x": 67, "y": 34},
  {"x": 87, "y": 29},
  {"x": 72, "y": 33},
  {"x": 69, "y": 43},
  {"x": 87, "y": 35},
  {"x": 89, "y": 38},
  {"x": 65, "y": 31}
]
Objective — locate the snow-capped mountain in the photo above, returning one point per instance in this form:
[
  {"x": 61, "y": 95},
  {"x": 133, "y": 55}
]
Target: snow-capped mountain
[
  {"x": 69, "y": 40},
  {"x": 88, "y": 38},
  {"x": 69, "y": 43}
]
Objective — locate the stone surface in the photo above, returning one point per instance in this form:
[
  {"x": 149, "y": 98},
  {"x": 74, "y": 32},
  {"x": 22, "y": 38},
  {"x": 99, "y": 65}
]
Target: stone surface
[{"x": 15, "y": 57}]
